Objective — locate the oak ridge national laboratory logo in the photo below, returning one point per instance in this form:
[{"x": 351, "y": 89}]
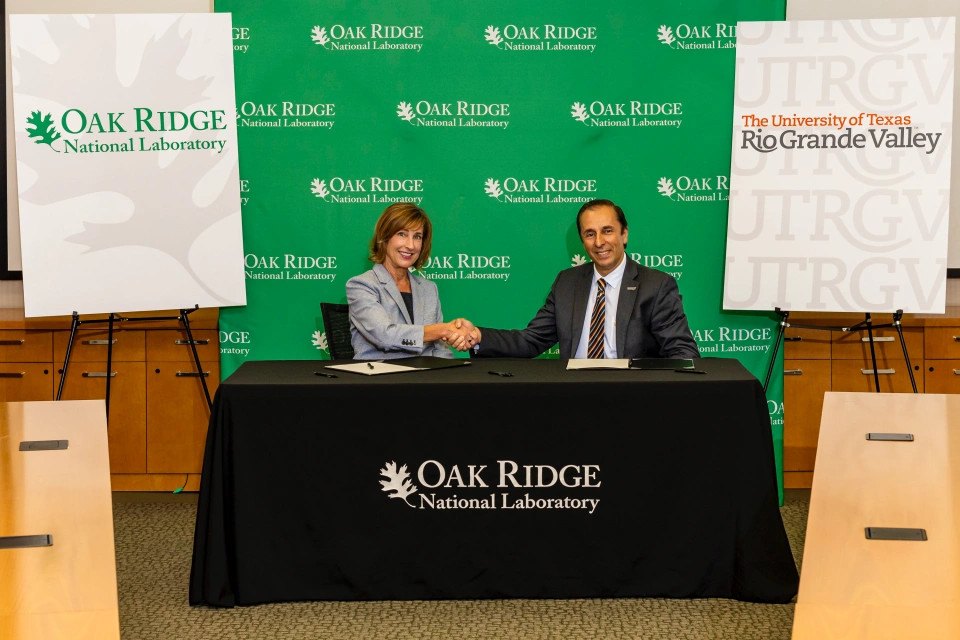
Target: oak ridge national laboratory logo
[
  {"x": 732, "y": 340},
  {"x": 698, "y": 37},
  {"x": 668, "y": 263},
  {"x": 546, "y": 190},
  {"x": 466, "y": 266},
  {"x": 462, "y": 113},
  {"x": 113, "y": 129},
  {"x": 375, "y": 189},
  {"x": 695, "y": 189},
  {"x": 368, "y": 37},
  {"x": 509, "y": 487},
  {"x": 286, "y": 114},
  {"x": 547, "y": 37},
  {"x": 628, "y": 114},
  {"x": 290, "y": 266}
]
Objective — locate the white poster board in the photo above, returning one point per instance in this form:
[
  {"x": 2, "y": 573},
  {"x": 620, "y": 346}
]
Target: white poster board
[
  {"x": 127, "y": 162},
  {"x": 840, "y": 177}
]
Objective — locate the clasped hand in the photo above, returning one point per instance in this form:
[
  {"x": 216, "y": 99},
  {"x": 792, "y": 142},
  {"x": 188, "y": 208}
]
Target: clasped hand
[{"x": 460, "y": 334}]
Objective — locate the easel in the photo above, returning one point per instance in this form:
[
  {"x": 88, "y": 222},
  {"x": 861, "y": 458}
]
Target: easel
[
  {"x": 115, "y": 317},
  {"x": 867, "y": 321}
]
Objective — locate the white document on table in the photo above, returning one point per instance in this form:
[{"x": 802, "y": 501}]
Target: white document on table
[
  {"x": 576, "y": 364},
  {"x": 373, "y": 368}
]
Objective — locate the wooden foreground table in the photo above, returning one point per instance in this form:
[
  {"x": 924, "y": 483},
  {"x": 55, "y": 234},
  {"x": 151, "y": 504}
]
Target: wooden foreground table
[
  {"x": 68, "y": 590},
  {"x": 852, "y": 588}
]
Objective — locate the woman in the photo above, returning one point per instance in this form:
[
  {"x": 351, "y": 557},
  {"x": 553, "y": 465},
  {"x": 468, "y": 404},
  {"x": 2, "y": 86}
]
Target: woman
[{"x": 393, "y": 312}]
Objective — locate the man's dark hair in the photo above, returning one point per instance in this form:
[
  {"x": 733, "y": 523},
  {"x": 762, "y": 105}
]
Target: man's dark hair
[{"x": 622, "y": 219}]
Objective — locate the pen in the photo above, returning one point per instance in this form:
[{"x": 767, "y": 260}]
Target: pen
[{"x": 325, "y": 375}]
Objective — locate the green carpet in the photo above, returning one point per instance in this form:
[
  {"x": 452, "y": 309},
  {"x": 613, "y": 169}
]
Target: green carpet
[{"x": 154, "y": 544}]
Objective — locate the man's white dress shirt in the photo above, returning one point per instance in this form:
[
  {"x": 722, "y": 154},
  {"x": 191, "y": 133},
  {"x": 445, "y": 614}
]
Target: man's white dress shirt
[{"x": 612, "y": 295}]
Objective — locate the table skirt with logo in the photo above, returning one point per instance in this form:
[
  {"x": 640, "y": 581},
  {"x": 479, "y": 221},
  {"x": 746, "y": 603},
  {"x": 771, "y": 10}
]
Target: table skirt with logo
[{"x": 458, "y": 484}]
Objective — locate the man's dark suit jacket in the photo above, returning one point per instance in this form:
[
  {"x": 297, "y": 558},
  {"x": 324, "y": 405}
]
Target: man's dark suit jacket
[{"x": 650, "y": 318}]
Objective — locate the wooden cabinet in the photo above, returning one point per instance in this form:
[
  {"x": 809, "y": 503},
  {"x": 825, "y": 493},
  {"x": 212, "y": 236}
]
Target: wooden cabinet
[
  {"x": 127, "y": 419},
  {"x": 942, "y": 342},
  {"x": 857, "y": 375},
  {"x": 804, "y": 383},
  {"x": 177, "y": 409},
  {"x": 25, "y": 381},
  {"x": 90, "y": 345},
  {"x": 855, "y": 345},
  {"x": 158, "y": 419},
  {"x": 942, "y": 376},
  {"x": 806, "y": 344}
]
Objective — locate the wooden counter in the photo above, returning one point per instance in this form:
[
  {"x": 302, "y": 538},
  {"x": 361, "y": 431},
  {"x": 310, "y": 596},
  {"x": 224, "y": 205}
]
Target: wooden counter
[
  {"x": 66, "y": 591},
  {"x": 858, "y": 589}
]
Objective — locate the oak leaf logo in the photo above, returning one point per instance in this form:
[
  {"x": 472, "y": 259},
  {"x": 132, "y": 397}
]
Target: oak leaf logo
[
  {"x": 319, "y": 188},
  {"x": 579, "y": 112},
  {"x": 492, "y": 188},
  {"x": 405, "y": 111},
  {"x": 578, "y": 260},
  {"x": 665, "y": 35},
  {"x": 397, "y": 482},
  {"x": 320, "y": 341},
  {"x": 42, "y": 128},
  {"x": 493, "y": 36},
  {"x": 665, "y": 187},
  {"x": 319, "y": 36}
]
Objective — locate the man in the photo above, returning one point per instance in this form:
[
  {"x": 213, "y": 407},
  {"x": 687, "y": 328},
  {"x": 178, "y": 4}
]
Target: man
[{"x": 610, "y": 308}]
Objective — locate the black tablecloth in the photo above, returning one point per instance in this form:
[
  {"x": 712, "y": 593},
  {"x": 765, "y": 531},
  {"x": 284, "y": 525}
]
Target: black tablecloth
[{"x": 292, "y": 506}]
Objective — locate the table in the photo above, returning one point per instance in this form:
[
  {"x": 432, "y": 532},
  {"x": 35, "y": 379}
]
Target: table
[
  {"x": 68, "y": 590},
  {"x": 859, "y": 589},
  {"x": 670, "y": 486}
]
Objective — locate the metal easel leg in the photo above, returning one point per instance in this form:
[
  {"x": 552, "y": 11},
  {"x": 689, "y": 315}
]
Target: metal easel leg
[
  {"x": 873, "y": 352},
  {"x": 776, "y": 345},
  {"x": 184, "y": 313},
  {"x": 66, "y": 358},
  {"x": 896, "y": 322}
]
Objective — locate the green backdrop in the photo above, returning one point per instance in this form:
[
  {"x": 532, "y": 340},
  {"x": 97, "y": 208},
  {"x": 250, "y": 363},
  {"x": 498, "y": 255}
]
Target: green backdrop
[{"x": 500, "y": 119}]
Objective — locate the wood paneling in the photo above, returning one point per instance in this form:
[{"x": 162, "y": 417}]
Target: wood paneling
[
  {"x": 806, "y": 344},
  {"x": 128, "y": 408},
  {"x": 942, "y": 342},
  {"x": 797, "y": 479},
  {"x": 859, "y": 589},
  {"x": 26, "y": 346},
  {"x": 848, "y": 375},
  {"x": 942, "y": 376},
  {"x": 162, "y": 346},
  {"x": 25, "y": 382},
  {"x": 128, "y": 346},
  {"x": 177, "y": 415},
  {"x": 852, "y": 345},
  {"x": 67, "y": 591},
  {"x": 804, "y": 383}
]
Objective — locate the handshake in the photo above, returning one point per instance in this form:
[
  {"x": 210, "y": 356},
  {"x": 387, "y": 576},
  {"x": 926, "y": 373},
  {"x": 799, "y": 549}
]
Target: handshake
[{"x": 460, "y": 334}]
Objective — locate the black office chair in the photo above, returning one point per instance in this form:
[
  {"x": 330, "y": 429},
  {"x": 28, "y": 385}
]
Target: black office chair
[{"x": 336, "y": 324}]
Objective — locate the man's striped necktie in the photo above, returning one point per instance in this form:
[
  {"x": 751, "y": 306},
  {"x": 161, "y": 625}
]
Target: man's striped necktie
[{"x": 597, "y": 321}]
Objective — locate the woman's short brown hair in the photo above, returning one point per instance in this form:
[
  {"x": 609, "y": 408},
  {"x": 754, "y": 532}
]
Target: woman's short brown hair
[{"x": 396, "y": 217}]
